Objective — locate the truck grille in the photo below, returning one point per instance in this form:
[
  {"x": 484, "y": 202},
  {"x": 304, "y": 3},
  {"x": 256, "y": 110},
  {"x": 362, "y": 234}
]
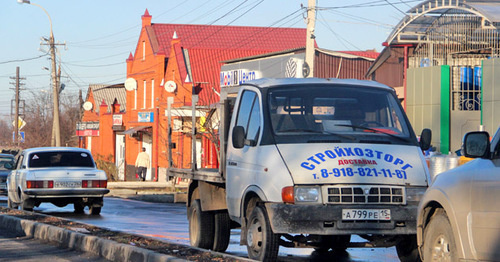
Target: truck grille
[{"x": 365, "y": 194}]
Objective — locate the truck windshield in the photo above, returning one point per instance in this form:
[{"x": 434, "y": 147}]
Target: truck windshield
[
  {"x": 60, "y": 159},
  {"x": 342, "y": 111}
]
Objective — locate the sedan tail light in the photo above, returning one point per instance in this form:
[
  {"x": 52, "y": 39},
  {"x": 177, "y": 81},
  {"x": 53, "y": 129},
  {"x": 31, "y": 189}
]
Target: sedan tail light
[
  {"x": 94, "y": 183},
  {"x": 39, "y": 184}
]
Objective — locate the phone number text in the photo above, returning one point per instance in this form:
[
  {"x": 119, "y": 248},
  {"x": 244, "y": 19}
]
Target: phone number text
[{"x": 361, "y": 171}]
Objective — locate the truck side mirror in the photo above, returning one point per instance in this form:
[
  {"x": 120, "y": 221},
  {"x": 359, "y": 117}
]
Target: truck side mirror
[
  {"x": 238, "y": 137},
  {"x": 425, "y": 139},
  {"x": 476, "y": 144}
]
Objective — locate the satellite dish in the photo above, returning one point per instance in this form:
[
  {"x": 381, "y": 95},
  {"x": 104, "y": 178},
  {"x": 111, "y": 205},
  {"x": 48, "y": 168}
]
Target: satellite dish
[
  {"x": 87, "y": 106},
  {"x": 130, "y": 84},
  {"x": 170, "y": 86}
]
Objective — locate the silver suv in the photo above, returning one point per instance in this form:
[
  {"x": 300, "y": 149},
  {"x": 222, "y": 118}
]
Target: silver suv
[{"x": 459, "y": 215}]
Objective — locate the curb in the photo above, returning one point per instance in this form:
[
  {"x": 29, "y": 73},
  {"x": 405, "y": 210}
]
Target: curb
[{"x": 64, "y": 238}]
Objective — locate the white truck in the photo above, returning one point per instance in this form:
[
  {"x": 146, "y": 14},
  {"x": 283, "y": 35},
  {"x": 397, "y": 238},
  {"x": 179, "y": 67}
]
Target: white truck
[{"x": 308, "y": 163}]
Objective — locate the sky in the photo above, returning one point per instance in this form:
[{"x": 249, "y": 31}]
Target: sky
[{"x": 97, "y": 36}]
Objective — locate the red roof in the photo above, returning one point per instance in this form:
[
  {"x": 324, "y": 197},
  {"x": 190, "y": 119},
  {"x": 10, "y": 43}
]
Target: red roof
[{"x": 208, "y": 45}]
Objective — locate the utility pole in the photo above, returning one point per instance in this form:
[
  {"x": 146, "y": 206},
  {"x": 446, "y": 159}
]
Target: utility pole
[
  {"x": 310, "y": 51},
  {"x": 56, "y": 130},
  {"x": 18, "y": 79}
]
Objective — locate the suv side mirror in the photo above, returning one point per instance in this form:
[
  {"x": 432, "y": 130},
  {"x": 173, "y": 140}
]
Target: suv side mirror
[
  {"x": 425, "y": 139},
  {"x": 476, "y": 144},
  {"x": 238, "y": 137}
]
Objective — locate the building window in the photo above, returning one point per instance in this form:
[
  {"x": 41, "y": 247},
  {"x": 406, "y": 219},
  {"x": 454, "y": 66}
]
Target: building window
[
  {"x": 466, "y": 90},
  {"x": 152, "y": 93},
  {"x": 143, "y": 50},
  {"x": 144, "y": 95}
]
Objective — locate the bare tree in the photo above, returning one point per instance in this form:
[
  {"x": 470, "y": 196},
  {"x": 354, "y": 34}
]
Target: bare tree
[{"x": 38, "y": 118}]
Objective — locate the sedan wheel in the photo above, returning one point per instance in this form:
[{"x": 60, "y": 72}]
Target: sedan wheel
[
  {"x": 25, "y": 205},
  {"x": 79, "y": 207},
  {"x": 11, "y": 204},
  {"x": 94, "y": 210}
]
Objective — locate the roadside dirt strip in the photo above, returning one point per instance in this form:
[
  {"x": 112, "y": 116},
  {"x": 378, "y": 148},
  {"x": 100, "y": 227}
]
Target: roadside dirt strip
[{"x": 25, "y": 224}]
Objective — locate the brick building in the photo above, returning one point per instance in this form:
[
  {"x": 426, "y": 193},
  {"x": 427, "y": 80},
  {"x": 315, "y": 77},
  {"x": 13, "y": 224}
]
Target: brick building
[{"x": 172, "y": 62}]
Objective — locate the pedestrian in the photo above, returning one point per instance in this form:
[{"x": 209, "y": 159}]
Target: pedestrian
[{"x": 142, "y": 164}]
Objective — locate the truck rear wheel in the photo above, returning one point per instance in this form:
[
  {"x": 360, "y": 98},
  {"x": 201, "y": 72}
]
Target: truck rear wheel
[
  {"x": 201, "y": 226},
  {"x": 262, "y": 243},
  {"x": 222, "y": 231}
]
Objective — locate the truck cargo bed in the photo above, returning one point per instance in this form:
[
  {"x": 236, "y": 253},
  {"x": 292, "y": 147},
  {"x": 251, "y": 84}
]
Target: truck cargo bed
[{"x": 205, "y": 174}]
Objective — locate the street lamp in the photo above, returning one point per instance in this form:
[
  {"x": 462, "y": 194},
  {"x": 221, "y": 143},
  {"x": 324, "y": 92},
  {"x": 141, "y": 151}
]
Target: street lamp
[{"x": 56, "y": 133}]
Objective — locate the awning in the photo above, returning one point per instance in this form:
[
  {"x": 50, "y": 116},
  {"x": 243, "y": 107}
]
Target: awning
[{"x": 134, "y": 130}]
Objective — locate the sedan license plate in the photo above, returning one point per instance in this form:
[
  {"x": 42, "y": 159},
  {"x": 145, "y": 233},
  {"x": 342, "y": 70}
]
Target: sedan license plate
[
  {"x": 366, "y": 214},
  {"x": 67, "y": 184},
  {"x": 3, "y": 186}
]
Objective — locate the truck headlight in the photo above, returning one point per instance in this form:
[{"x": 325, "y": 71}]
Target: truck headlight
[
  {"x": 307, "y": 194},
  {"x": 415, "y": 194}
]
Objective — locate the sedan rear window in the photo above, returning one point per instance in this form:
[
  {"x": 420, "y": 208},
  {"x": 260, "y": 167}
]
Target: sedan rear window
[{"x": 65, "y": 159}]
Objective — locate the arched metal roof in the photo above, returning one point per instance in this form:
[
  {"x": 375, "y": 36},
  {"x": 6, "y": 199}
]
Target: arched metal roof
[{"x": 414, "y": 26}]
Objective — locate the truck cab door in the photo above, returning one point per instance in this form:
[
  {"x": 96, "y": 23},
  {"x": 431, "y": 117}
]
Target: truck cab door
[{"x": 243, "y": 154}]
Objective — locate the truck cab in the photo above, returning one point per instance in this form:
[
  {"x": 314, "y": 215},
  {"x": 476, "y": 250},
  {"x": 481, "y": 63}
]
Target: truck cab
[{"x": 310, "y": 162}]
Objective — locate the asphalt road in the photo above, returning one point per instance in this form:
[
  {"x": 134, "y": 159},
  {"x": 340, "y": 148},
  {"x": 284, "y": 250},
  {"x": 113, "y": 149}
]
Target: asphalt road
[{"x": 168, "y": 221}]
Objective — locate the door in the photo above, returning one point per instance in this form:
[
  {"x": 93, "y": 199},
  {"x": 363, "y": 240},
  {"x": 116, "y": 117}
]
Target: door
[
  {"x": 147, "y": 142},
  {"x": 485, "y": 225},
  {"x": 465, "y": 115},
  {"x": 243, "y": 167},
  {"x": 120, "y": 156}
]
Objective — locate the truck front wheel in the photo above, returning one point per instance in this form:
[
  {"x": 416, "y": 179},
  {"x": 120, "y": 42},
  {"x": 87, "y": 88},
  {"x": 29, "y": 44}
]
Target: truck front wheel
[
  {"x": 201, "y": 226},
  {"x": 262, "y": 243}
]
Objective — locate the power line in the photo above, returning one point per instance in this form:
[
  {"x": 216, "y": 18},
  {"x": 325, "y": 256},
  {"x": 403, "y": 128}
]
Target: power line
[
  {"x": 23, "y": 60},
  {"x": 395, "y": 7}
]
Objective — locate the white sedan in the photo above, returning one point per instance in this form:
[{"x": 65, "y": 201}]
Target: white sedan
[{"x": 59, "y": 175}]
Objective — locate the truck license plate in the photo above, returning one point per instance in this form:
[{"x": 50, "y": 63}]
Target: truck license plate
[
  {"x": 366, "y": 214},
  {"x": 67, "y": 184}
]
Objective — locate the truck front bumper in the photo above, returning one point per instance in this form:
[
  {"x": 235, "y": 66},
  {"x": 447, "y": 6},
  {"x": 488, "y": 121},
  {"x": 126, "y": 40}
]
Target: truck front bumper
[{"x": 327, "y": 220}]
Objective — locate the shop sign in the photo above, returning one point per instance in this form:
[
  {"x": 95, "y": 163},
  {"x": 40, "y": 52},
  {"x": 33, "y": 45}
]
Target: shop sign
[
  {"x": 145, "y": 117},
  {"x": 87, "y": 129},
  {"x": 238, "y": 77},
  {"x": 117, "y": 120}
]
